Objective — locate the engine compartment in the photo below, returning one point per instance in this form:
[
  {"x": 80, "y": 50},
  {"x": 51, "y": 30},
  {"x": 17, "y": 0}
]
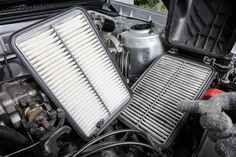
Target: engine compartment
[{"x": 36, "y": 127}]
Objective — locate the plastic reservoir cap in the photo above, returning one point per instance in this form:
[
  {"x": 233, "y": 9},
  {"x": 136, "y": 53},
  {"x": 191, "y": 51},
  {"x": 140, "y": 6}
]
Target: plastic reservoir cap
[{"x": 212, "y": 92}]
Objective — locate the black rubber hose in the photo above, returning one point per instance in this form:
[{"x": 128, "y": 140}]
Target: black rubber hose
[{"x": 11, "y": 137}]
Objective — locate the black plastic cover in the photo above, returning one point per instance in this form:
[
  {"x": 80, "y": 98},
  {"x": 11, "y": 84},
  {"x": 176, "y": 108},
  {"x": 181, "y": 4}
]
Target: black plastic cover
[{"x": 202, "y": 26}]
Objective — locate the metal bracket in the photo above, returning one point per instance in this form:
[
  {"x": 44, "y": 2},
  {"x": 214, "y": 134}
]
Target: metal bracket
[
  {"x": 209, "y": 60},
  {"x": 51, "y": 144}
]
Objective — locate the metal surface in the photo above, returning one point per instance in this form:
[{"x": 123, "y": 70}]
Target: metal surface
[
  {"x": 68, "y": 59},
  {"x": 157, "y": 93},
  {"x": 139, "y": 13},
  {"x": 113, "y": 44},
  {"x": 21, "y": 104},
  {"x": 51, "y": 144},
  {"x": 144, "y": 46},
  {"x": 12, "y": 96},
  {"x": 15, "y": 119}
]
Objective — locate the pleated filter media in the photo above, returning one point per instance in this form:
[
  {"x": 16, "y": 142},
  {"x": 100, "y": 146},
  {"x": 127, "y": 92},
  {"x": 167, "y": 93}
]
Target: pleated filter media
[
  {"x": 156, "y": 94},
  {"x": 67, "y": 58}
]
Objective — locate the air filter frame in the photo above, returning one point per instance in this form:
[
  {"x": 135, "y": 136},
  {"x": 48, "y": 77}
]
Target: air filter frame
[
  {"x": 46, "y": 23},
  {"x": 185, "y": 116}
]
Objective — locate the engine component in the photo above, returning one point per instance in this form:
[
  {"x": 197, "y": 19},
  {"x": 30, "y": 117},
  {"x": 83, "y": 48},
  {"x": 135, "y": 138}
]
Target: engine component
[
  {"x": 12, "y": 95},
  {"x": 98, "y": 20},
  {"x": 157, "y": 93},
  {"x": 50, "y": 145},
  {"x": 144, "y": 44},
  {"x": 226, "y": 78},
  {"x": 21, "y": 104},
  {"x": 34, "y": 113},
  {"x": 123, "y": 61},
  {"x": 103, "y": 23},
  {"x": 113, "y": 44},
  {"x": 67, "y": 58},
  {"x": 41, "y": 122},
  {"x": 121, "y": 57},
  {"x": 108, "y": 26}
]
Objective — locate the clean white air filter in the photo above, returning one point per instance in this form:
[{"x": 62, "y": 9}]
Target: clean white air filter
[{"x": 68, "y": 59}]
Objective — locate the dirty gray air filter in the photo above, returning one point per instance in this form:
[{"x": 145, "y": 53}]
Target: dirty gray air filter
[
  {"x": 157, "y": 93},
  {"x": 68, "y": 59}
]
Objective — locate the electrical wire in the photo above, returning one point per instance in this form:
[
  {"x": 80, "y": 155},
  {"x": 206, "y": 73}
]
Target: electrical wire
[
  {"x": 107, "y": 135},
  {"x": 120, "y": 144},
  {"x": 99, "y": 145},
  {"x": 21, "y": 150},
  {"x": 110, "y": 134},
  {"x": 96, "y": 146}
]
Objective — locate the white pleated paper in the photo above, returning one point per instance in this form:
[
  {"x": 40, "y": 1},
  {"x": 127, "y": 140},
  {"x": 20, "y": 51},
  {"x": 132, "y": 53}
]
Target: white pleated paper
[{"x": 73, "y": 64}]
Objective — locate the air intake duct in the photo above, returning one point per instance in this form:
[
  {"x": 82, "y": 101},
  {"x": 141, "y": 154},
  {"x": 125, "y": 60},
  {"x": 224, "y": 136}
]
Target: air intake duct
[
  {"x": 68, "y": 59},
  {"x": 156, "y": 94}
]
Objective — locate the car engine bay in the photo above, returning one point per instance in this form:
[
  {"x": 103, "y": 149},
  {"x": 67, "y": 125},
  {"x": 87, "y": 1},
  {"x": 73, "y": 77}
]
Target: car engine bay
[{"x": 158, "y": 74}]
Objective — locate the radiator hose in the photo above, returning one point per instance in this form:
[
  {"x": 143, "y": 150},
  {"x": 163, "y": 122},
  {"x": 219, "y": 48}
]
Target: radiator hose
[{"x": 11, "y": 138}]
